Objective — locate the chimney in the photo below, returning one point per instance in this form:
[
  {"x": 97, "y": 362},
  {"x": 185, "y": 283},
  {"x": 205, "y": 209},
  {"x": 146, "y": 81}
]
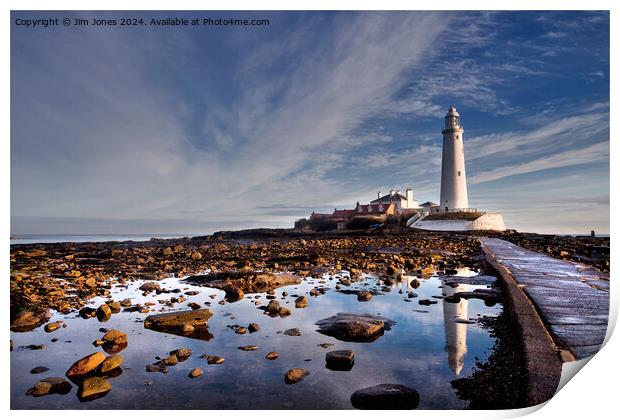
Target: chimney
[
  {"x": 409, "y": 194},
  {"x": 391, "y": 192},
  {"x": 378, "y": 194}
]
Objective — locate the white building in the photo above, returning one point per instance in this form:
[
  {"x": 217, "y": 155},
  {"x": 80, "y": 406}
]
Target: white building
[
  {"x": 402, "y": 202},
  {"x": 453, "y": 193}
]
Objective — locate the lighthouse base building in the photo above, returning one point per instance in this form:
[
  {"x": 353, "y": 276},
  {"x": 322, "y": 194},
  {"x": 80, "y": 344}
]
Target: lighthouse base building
[{"x": 453, "y": 212}]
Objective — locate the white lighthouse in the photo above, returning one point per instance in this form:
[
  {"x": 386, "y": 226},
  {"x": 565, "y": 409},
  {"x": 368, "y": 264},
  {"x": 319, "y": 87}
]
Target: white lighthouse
[{"x": 453, "y": 193}]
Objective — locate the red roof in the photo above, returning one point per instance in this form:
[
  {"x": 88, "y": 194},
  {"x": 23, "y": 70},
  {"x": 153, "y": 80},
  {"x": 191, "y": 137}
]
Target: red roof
[
  {"x": 373, "y": 208},
  {"x": 342, "y": 213}
]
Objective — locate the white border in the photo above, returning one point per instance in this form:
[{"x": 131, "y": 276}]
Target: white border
[{"x": 591, "y": 394}]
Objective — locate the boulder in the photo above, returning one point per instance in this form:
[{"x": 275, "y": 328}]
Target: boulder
[
  {"x": 86, "y": 365},
  {"x": 292, "y": 376},
  {"x": 111, "y": 363},
  {"x": 233, "y": 293},
  {"x": 301, "y": 302},
  {"x": 150, "y": 286},
  {"x": 87, "y": 312},
  {"x": 113, "y": 348},
  {"x": 29, "y": 320},
  {"x": 181, "y": 354},
  {"x": 94, "y": 387},
  {"x": 50, "y": 386},
  {"x": 354, "y": 327},
  {"x": 52, "y": 326},
  {"x": 115, "y": 336},
  {"x": 170, "y": 360},
  {"x": 364, "y": 295},
  {"x": 104, "y": 312},
  {"x": 176, "y": 321},
  {"x": 273, "y": 307},
  {"x": 386, "y": 397},
  {"x": 341, "y": 360}
]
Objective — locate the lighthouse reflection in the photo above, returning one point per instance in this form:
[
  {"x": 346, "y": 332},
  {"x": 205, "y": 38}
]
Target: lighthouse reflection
[{"x": 456, "y": 333}]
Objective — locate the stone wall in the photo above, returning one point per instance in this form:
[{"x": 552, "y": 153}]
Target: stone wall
[{"x": 488, "y": 221}]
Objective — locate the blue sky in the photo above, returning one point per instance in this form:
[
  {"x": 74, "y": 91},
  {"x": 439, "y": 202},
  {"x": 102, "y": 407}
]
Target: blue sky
[{"x": 196, "y": 129}]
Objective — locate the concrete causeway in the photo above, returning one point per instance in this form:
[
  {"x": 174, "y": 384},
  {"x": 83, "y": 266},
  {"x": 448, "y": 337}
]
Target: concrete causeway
[{"x": 571, "y": 299}]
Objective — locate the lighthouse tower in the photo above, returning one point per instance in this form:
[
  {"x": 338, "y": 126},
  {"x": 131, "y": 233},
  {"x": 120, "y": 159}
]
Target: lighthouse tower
[{"x": 453, "y": 194}]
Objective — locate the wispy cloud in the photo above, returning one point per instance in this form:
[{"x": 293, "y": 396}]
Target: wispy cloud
[{"x": 596, "y": 153}]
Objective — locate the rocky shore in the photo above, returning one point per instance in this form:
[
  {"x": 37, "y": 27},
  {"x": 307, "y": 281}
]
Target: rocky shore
[{"x": 64, "y": 276}]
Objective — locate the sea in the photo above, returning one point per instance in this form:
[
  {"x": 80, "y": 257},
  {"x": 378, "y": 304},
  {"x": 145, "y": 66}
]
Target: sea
[{"x": 56, "y": 238}]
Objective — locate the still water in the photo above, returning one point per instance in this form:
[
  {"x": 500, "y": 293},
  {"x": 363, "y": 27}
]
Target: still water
[{"x": 424, "y": 350}]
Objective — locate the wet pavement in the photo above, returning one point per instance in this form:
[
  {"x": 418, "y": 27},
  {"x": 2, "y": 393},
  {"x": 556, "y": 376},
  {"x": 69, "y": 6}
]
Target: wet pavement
[{"x": 571, "y": 298}]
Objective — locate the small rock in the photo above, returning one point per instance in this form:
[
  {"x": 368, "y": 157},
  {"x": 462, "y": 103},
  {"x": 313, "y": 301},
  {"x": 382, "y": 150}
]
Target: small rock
[
  {"x": 39, "y": 369},
  {"x": 253, "y": 327},
  {"x": 50, "y": 386},
  {"x": 427, "y": 302},
  {"x": 52, "y": 326},
  {"x": 170, "y": 360},
  {"x": 273, "y": 307},
  {"x": 301, "y": 302},
  {"x": 341, "y": 360},
  {"x": 158, "y": 367},
  {"x": 248, "y": 348},
  {"x": 196, "y": 372},
  {"x": 215, "y": 360},
  {"x": 181, "y": 354},
  {"x": 386, "y": 397},
  {"x": 364, "y": 295},
  {"x": 292, "y": 376},
  {"x": 150, "y": 286},
  {"x": 293, "y": 332},
  {"x": 272, "y": 355}
]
